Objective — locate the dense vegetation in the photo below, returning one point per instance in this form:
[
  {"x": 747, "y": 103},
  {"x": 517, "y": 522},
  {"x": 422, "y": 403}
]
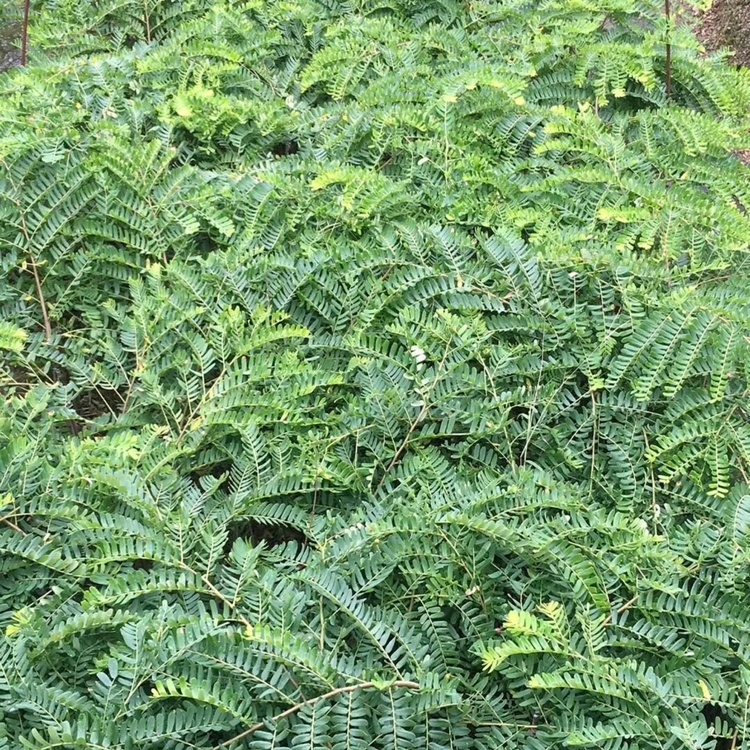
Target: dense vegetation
[{"x": 375, "y": 376}]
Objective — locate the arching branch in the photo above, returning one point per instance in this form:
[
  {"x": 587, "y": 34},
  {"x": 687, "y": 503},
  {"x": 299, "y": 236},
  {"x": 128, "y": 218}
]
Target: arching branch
[{"x": 326, "y": 696}]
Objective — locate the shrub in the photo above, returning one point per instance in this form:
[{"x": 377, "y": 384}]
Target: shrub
[{"x": 375, "y": 376}]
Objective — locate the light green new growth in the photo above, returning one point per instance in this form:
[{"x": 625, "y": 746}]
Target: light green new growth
[{"x": 375, "y": 375}]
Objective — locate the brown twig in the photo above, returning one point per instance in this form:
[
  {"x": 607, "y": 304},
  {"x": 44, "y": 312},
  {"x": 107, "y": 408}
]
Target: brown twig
[
  {"x": 25, "y": 32},
  {"x": 37, "y": 281},
  {"x": 668, "y": 61},
  {"x": 12, "y": 525},
  {"x": 298, "y": 706},
  {"x": 628, "y": 604}
]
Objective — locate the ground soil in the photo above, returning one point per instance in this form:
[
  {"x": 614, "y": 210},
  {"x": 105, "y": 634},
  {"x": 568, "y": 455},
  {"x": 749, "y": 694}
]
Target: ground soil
[
  {"x": 9, "y": 36},
  {"x": 727, "y": 25}
]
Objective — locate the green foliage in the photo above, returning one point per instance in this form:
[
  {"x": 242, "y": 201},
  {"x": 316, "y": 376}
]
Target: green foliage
[{"x": 375, "y": 376}]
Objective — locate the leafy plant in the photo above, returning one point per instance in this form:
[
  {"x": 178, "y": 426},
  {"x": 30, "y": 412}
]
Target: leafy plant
[{"x": 375, "y": 375}]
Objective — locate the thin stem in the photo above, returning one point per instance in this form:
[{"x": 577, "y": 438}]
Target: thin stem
[
  {"x": 15, "y": 527},
  {"x": 147, "y": 21},
  {"x": 628, "y": 604},
  {"x": 507, "y": 724},
  {"x": 25, "y": 32},
  {"x": 207, "y": 582},
  {"x": 42, "y": 303},
  {"x": 422, "y": 414},
  {"x": 37, "y": 279},
  {"x": 668, "y": 61},
  {"x": 298, "y": 706}
]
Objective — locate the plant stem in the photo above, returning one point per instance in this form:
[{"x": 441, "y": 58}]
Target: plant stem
[
  {"x": 25, "y": 32},
  {"x": 330, "y": 694},
  {"x": 628, "y": 604},
  {"x": 147, "y": 21},
  {"x": 42, "y": 303},
  {"x": 37, "y": 279},
  {"x": 668, "y": 61}
]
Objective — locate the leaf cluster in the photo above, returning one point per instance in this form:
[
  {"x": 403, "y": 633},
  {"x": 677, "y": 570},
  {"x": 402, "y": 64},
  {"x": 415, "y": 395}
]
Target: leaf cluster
[{"x": 375, "y": 375}]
